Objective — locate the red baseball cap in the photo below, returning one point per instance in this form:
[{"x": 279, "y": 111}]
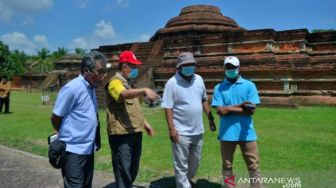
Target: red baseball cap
[{"x": 128, "y": 57}]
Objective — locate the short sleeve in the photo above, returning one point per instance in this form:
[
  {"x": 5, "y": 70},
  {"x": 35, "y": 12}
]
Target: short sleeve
[
  {"x": 217, "y": 99},
  {"x": 167, "y": 98},
  {"x": 204, "y": 96},
  {"x": 64, "y": 101},
  {"x": 115, "y": 88},
  {"x": 253, "y": 94}
]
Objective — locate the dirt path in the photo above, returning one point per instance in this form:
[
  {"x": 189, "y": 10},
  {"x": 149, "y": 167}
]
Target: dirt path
[{"x": 21, "y": 169}]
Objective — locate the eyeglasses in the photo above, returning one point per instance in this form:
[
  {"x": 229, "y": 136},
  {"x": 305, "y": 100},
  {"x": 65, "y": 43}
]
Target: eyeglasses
[
  {"x": 132, "y": 66},
  {"x": 99, "y": 72}
]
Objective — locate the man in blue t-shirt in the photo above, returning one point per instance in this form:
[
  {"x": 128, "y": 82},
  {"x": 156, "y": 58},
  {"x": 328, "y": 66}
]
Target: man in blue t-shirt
[{"x": 235, "y": 100}]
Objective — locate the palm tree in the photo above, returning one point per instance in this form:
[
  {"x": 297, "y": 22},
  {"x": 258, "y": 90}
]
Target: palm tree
[
  {"x": 43, "y": 53},
  {"x": 80, "y": 51},
  {"x": 61, "y": 52},
  {"x": 43, "y": 65}
]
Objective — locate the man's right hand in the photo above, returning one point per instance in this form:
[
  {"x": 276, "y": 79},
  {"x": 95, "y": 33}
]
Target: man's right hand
[
  {"x": 222, "y": 111},
  {"x": 151, "y": 95},
  {"x": 173, "y": 135}
]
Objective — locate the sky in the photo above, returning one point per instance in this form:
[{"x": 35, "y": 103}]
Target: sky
[{"x": 29, "y": 25}]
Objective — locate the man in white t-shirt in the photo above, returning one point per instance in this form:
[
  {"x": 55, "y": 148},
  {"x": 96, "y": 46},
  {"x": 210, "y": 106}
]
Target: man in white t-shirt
[{"x": 184, "y": 99}]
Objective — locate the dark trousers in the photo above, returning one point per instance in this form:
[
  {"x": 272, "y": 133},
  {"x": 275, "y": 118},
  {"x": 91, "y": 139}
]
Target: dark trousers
[
  {"x": 78, "y": 170},
  {"x": 126, "y": 153},
  {"x": 6, "y": 101}
]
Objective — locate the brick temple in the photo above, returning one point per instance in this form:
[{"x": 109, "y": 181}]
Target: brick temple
[{"x": 292, "y": 67}]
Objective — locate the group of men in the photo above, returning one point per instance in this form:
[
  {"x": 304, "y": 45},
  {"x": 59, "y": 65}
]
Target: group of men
[{"x": 75, "y": 118}]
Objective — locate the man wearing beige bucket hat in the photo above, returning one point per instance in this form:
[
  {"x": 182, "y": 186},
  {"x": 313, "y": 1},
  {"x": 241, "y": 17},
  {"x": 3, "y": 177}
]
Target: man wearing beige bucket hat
[{"x": 184, "y": 99}]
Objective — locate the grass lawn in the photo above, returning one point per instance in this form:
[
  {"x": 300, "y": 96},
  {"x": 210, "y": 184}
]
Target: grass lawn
[{"x": 293, "y": 143}]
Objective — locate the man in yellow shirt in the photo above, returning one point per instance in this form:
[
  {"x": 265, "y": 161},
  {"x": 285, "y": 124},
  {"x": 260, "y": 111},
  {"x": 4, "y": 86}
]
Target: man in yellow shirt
[
  {"x": 125, "y": 120},
  {"x": 5, "y": 87}
]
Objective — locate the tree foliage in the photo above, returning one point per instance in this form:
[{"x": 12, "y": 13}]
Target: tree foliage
[
  {"x": 41, "y": 63},
  {"x": 17, "y": 62},
  {"x": 4, "y": 53},
  {"x": 61, "y": 52},
  {"x": 322, "y": 30},
  {"x": 80, "y": 51},
  {"x": 11, "y": 63}
]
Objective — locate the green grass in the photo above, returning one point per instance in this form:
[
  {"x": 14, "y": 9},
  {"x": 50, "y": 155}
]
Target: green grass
[{"x": 292, "y": 143}]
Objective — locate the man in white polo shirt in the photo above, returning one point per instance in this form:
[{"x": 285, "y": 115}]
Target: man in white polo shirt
[{"x": 184, "y": 99}]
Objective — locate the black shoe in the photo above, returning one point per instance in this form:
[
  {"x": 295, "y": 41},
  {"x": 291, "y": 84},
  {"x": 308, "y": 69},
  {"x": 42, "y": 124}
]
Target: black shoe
[{"x": 192, "y": 184}]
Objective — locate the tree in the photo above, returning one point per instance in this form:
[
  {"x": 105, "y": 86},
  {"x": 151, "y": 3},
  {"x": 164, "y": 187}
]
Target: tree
[
  {"x": 322, "y": 30},
  {"x": 43, "y": 61},
  {"x": 11, "y": 63},
  {"x": 61, "y": 52},
  {"x": 17, "y": 61},
  {"x": 4, "y": 53},
  {"x": 43, "y": 53},
  {"x": 80, "y": 51}
]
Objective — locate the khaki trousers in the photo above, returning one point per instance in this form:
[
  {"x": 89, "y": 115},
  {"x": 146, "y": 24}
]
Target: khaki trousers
[{"x": 250, "y": 154}]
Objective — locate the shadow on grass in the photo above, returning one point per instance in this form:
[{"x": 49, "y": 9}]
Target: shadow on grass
[
  {"x": 113, "y": 185},
  {"x": 169, "y": 182},
  {"x": 166, "y": 182},
  {"x": 207, "y": 183}
]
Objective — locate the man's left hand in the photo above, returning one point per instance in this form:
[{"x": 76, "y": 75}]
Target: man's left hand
[{"x": 212, "y": 126}]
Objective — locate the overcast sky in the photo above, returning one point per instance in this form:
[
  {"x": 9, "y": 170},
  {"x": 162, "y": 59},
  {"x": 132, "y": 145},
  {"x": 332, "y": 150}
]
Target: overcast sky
[{"x": 29, "y": 25}]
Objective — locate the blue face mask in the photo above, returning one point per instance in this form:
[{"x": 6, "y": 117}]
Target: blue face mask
[
  {"x": 231, "y": 73},
  {"x": 133, "y": 74},
  {"x": 188, "y": 71}
]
